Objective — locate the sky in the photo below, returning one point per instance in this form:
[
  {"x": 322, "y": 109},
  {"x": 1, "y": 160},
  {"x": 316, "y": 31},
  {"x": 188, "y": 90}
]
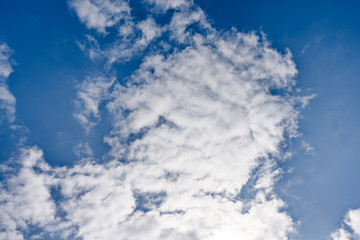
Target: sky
[{"x": 159, "y": 119}]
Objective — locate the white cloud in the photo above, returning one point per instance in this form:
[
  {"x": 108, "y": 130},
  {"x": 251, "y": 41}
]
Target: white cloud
[
  {"x": 91, "y": 92},
  {"x": 149, "y": 29},
  {"x": 204, "y": 122},
  {"x": 97, "y": 200},
  {"x": 267, "y": 176},
  {"x": 5, "y": 66},
  {"x": 124, "y": 50},
  {"x": 91, "y": 47},
  {"x": 7, "y": 100},
  {"x": 306, "y": 99},
  {"x": 100, "y": 14},
  {"x": 25, "y": 198},
  {"x": 83, "y": 150},
  {"x": 205, "y": 118},
  {"x": 133, "y": 39},
  {"x": 182, "y": 20},
  {"x": 164, "y": 5},
  {"x": 191, "y": 128},
  {"x": 101, "y": 201},
  {"x": 307, "y": 147},
  {"x": 351, "y": 227}
]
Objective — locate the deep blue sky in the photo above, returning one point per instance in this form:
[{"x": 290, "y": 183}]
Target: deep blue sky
[{"x": 323, "y": 36}]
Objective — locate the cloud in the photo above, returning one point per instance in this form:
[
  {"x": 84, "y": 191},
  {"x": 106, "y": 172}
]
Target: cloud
[
  {"x": 164, "y": 5},
  {"x": 149, "y": 30},
  {"x": 83, "y": 150},
  {"x": 133, "y": 39},
  {"x": 102, "y": 201},
  {"x": 181, "y": 21},
  {"x": 5, "y": 66},
  {"x": 125, "y": 49},
  {"x": 25, "y": 199},
  {"x": 193, "y": 127},
  {"x": 100, "y": 14},
  {"x": 350, "y": 228},
  {"x": 91, "y": 92},
  {"x": 7, "y": 100},
  {"x": 307, "y": 147},
  {"x": 306, "y": 99},
  {"x": 96, "y": 199}
]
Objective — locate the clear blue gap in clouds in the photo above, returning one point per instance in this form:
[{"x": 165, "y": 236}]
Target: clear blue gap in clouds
[{"x": 323, "y": 37}]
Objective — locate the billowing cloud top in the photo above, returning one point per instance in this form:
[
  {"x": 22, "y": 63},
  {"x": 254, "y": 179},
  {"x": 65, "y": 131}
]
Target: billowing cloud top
[{"x": 196, "y": 125}]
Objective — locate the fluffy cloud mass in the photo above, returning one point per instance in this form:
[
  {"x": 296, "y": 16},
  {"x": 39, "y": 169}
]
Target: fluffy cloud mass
[
  {"x": 196, "y": 125},
  {"x": 25, "y": 197}
]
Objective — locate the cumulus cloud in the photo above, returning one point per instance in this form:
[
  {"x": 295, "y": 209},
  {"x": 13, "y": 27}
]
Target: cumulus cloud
[
  {"x": 7, "y": 100},
  {"x": 100, "y": 201},
  {"x": 199, "y": 122},
  {"x": 351, "y": 226},
  {"x": 193, "y": 126},
  {"x": 100, "y": 14},
  {"x": 190, "y": 128}
]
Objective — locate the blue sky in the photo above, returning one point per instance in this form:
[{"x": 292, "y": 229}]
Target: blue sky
[
  {"x": 323, "y": 38},
  {"x": 155, "y": 91}
]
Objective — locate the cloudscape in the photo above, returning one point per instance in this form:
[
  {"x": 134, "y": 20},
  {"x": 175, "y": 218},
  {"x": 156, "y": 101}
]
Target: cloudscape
[{"x": 153, "y": 119}]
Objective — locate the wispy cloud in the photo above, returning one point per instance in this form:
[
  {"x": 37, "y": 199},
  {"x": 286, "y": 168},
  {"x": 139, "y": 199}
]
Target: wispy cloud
[
  {"x": 133, "y": 39},
  {"x": 164, "y": 5},
  {"x": 7, "y": 100},
  {"x": 100, "y": 14},
  {"x": 91, "y": 92},
  {"x": 305, "y": 48}
]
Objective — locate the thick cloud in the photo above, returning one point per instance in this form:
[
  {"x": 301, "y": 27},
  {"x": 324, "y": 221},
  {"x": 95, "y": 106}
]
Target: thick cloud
[
  {"x": 25, "y": 199},
  {"x": 194, "y": 126},
  {"x": 202, "y": 119},
  {"x": 351, "y": 226},
  {"x": 7, "y": 100}
]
